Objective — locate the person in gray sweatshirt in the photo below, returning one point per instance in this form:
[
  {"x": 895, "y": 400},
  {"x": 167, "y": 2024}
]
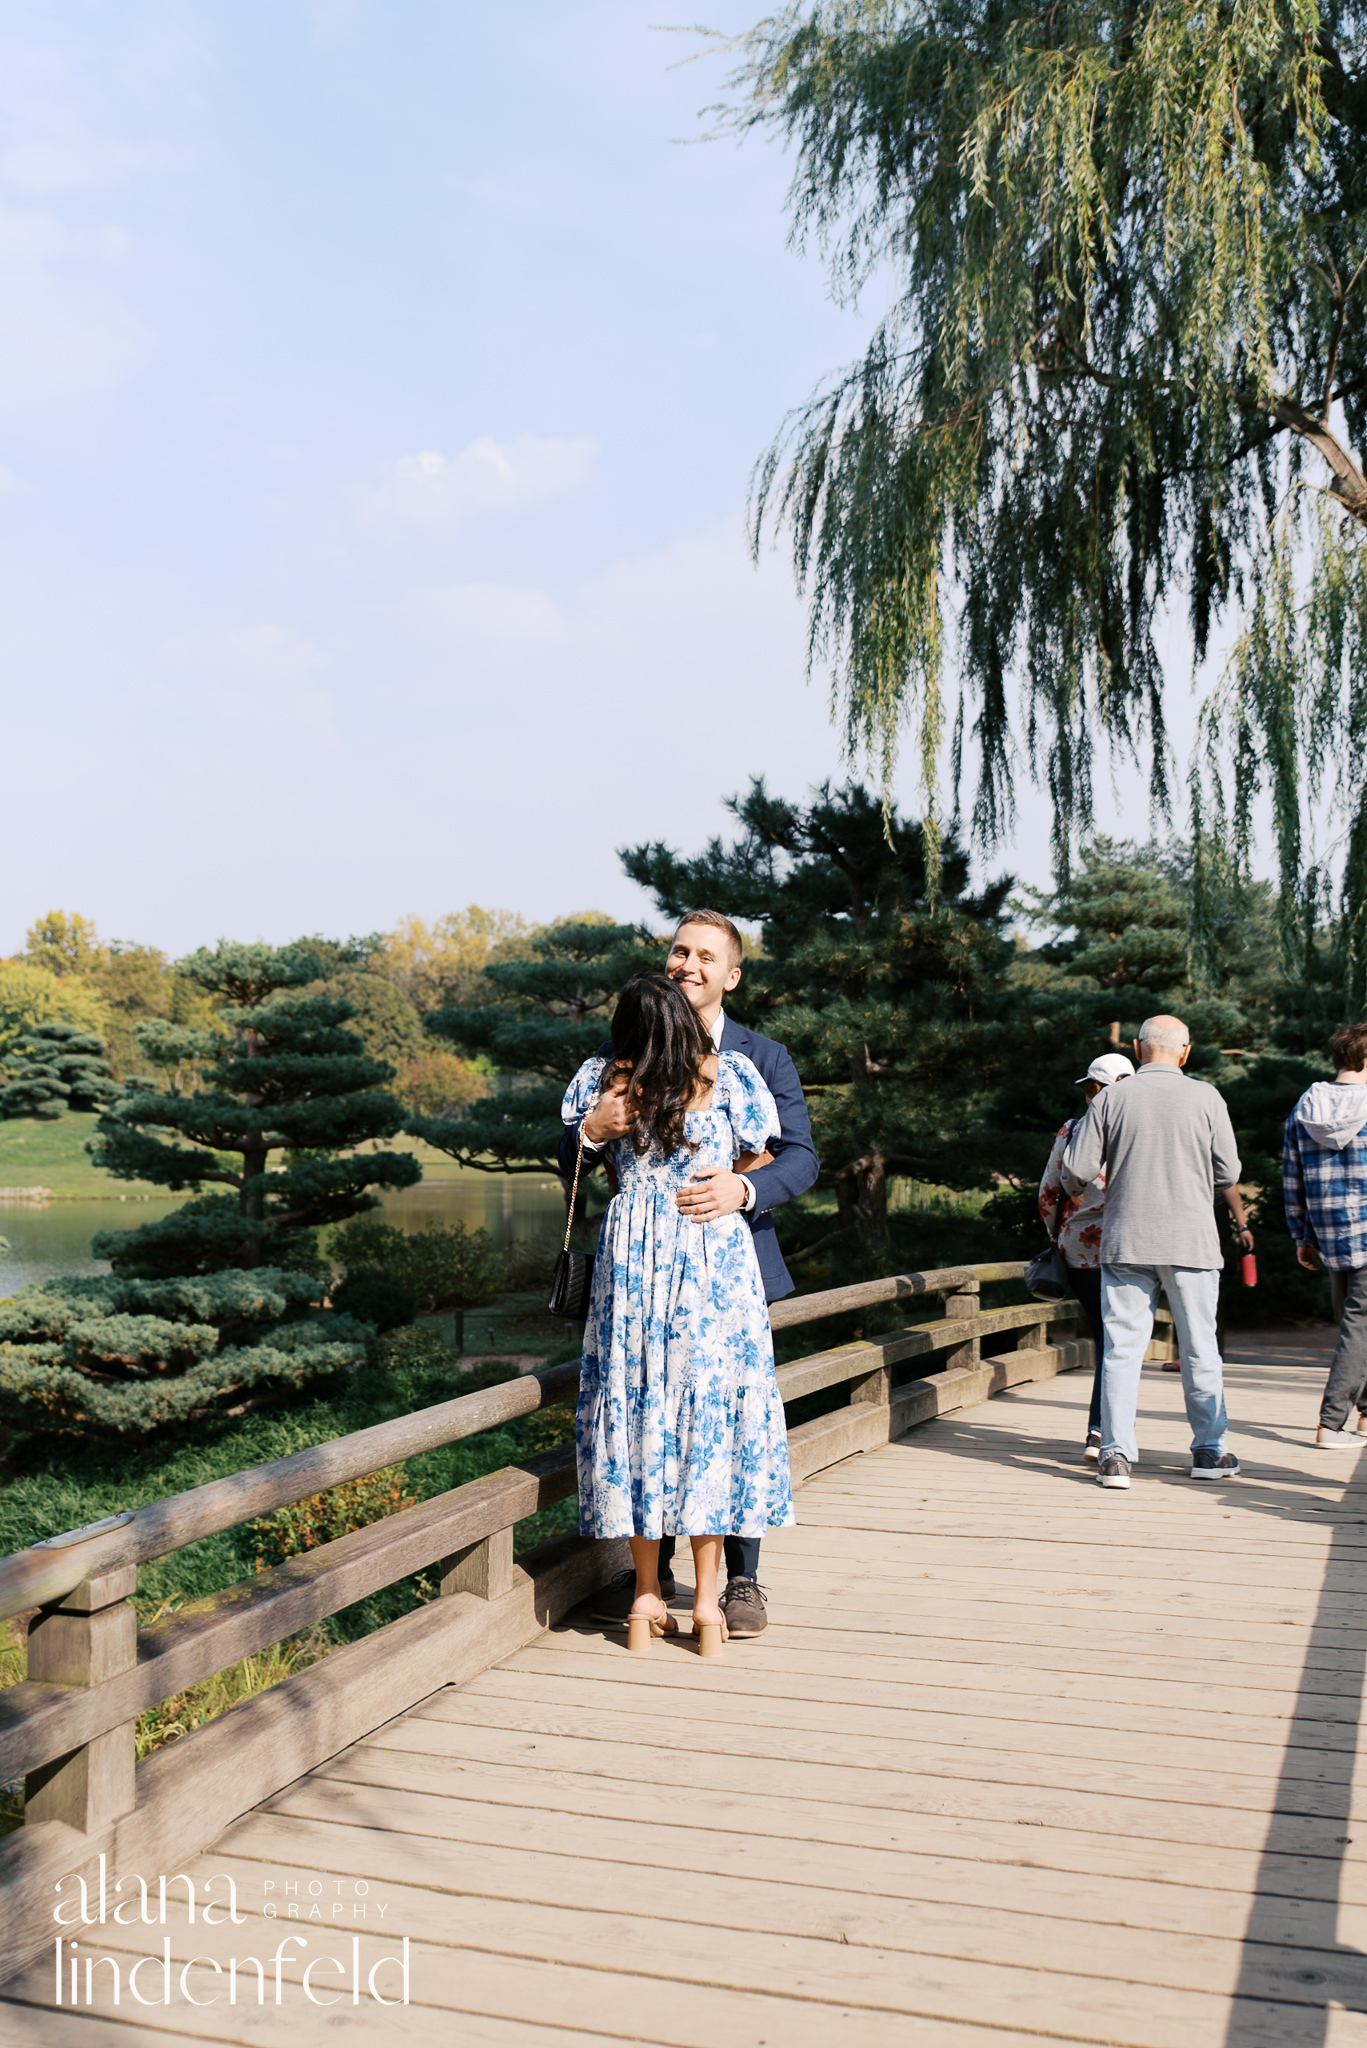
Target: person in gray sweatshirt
[
  {"x": 1324, "y": 1184},
  {"x": 1168, "y": 1148}
]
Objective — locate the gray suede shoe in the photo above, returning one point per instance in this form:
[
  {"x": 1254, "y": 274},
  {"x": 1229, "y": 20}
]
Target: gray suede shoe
[{"x": 743, "y": 1604}]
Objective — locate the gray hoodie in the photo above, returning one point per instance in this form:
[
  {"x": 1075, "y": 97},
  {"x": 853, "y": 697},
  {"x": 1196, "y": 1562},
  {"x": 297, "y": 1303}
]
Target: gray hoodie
[{"x": 1332, "y": 1112}]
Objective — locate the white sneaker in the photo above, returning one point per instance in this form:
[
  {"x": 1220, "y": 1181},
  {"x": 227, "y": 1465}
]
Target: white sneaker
[{"x": 1340, "y": 1440}]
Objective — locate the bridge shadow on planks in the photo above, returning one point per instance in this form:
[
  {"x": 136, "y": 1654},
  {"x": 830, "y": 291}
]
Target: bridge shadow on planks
[{"x": 1311, "y": 1825}]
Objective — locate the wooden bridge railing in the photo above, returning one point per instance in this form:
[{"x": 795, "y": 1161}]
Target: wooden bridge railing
[{"x": 69, "y": 1729}]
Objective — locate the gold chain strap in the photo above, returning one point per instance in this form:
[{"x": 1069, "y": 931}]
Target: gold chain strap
[{"x": 574, "y": 1191}]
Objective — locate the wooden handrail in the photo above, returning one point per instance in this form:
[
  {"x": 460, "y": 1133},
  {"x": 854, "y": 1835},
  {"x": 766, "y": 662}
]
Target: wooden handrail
[
  {"x": 82, "y": 1703},
  {"x": 37, "y": 1577},
  {"x": 837, "y": 1301},
  {"x": 38, "y": 1722}
]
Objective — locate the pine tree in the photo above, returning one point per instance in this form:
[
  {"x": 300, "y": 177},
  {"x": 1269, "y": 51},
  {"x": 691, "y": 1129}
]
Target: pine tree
[
  {"x": 894, "y": 1009},
  {"x": 55, "y": 1067},
  {"x": 117, "y": 1358},
  {"x": 279, "y": 1074},
  {"x": 554, "y": 1011},
  {"x": 1128, "y": 922}
]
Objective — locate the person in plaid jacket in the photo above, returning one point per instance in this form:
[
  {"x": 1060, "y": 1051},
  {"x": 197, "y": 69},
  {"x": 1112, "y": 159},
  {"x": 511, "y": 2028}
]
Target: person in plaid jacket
[{"x": 1324, "y": 1181}]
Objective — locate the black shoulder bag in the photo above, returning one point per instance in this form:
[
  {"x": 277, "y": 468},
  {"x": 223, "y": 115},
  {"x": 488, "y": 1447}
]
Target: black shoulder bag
[
  {"x": 572, "y": 1286},
  {"x": 1046, "y": 1276}
]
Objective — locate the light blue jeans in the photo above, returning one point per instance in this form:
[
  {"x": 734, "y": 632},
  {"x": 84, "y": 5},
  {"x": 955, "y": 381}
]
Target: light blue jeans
[{"x": 1129, "y": 1296}]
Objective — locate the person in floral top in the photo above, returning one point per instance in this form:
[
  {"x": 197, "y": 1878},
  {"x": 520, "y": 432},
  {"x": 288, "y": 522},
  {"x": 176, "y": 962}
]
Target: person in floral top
[{"x": 1074, "y": 1223}]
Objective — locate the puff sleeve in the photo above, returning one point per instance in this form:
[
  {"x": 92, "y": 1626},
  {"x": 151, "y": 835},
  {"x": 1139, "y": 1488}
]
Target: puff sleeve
[
  {"x": 579, "y": 1096},
  {"x": 752, "y": 1110}
]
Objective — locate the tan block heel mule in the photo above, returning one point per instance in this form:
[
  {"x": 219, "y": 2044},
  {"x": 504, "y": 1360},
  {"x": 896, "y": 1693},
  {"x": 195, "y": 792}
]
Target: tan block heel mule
[
  {"x": 643, "y": 1629},
  {"x": 709, "y": 1635}
]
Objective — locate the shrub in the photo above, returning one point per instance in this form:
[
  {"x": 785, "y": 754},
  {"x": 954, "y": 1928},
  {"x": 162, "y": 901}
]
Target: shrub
[
  {"x": 530, "y": 1261},
  {"x": 377, "y": 1298},
  {"x": 115, "y": 1358},
  {"x": 425, "y": 1351},
  {"x": 323, "y": 1517},
  {"x": 53, "y": 1067},
  {"x": 445, "y": 1268}
]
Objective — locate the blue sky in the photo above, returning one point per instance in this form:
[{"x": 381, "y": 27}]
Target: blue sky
[{"x": 378, "y": 390}]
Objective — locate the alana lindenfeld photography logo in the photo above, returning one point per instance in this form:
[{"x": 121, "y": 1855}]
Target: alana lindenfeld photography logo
[{"x": 326, "y": 1966}]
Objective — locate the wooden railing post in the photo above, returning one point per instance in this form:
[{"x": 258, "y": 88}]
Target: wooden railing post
[
  {"x": 965, "y": 1303},
  {"x": 484, "y": 1568},
  {"x": 873, "y": 1387},
  {"x": 90, "y": 1635}
]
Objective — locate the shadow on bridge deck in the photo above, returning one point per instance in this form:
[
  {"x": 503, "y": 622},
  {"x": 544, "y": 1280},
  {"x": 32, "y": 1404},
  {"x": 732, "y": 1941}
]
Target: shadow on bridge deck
[{"x": 1017, "y": 1760}]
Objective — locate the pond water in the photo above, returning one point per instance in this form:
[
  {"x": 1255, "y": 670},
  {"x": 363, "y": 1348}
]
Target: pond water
[{"x": 45, "y": 1242}]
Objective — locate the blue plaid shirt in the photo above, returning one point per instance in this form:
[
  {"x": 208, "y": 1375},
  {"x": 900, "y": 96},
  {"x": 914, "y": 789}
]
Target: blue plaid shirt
[{"x": 1326, "y": 1196}]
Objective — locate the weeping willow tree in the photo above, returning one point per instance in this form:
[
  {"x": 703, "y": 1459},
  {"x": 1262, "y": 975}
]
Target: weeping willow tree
[{"x": 1124, "y": 368}]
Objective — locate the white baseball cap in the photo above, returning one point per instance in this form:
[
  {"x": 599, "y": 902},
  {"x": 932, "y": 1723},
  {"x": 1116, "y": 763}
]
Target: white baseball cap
[{"x": 1112, "y": 1066}]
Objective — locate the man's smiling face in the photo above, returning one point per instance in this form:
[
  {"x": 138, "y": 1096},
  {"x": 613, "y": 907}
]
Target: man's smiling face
[{"x": 700, "y": 962}]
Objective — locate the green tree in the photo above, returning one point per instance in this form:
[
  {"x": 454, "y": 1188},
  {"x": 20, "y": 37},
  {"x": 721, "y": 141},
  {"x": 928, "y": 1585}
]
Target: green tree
[
  {"x": 441, "y": 965},
  {"x": 553, "y": 1011},
  {"x": 1124, "y": 921},
  {"x": 1124, "y": 354},
  {"x": 441, "y": 1269},
  {"x": 135, "y": 983},
  {"x": 281, "y": 1074},
  {"x": 63, "y": 944},
  {"x": 116, "y": 1358},
  {"x": 382, "y": 1015},
  {"x": 52, "y": 1068},
  {"x": 30, "y": 996},
  {"x": 894, "y": 1008}
]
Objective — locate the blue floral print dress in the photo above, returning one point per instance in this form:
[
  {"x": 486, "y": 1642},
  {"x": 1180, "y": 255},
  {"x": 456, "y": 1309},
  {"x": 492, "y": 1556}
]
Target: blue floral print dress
[{"x": 680, "y": 1427}]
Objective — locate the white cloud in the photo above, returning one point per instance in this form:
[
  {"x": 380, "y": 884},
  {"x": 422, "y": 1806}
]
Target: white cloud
[{"x": 487, "y": 475}]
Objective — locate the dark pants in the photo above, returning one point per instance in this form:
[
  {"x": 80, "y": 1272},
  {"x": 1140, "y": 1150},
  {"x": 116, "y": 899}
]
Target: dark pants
[
  {"x": 1347, "y": 1380},
  {"x": 742, "y": 1555},
  {"x": 1085, "y": 1282}
]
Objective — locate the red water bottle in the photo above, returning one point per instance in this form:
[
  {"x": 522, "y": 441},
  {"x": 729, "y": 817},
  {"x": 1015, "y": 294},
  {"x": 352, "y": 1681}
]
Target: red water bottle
[{"x": 1248, "y": 1269}]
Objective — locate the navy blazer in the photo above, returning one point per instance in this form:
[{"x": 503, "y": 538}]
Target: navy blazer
[{"x": 795, "y": 1162}]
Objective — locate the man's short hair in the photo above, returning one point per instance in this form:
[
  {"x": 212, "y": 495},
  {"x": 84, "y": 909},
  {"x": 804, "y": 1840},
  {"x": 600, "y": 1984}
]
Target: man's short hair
[
  {"x": 1171, "y": 1036},
  {"x": 1348, "y": 1048},
  {"x": 722, "y": 924}
]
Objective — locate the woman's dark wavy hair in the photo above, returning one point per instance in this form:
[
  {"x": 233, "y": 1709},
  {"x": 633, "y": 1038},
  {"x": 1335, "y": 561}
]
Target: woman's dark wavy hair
[{"x": 658, "y": 1036}]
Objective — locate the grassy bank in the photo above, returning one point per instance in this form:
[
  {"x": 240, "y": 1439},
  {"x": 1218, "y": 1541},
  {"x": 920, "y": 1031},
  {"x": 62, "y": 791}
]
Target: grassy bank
[{"x": 37, "y": 1154}]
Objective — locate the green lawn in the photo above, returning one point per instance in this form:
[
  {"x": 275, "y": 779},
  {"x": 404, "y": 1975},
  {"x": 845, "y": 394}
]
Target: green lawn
[{"x": 35, "y": 1154}]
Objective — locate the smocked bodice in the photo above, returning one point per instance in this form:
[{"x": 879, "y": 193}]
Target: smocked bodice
[{"x": 741, "y": 1117}]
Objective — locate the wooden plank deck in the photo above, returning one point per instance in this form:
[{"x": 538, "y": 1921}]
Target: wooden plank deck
[{"x": 1017, "y": 1761}]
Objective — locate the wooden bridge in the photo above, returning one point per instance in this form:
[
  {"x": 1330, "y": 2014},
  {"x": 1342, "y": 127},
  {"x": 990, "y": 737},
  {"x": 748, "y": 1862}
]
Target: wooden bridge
[{"x": 1016, "y": 1761}]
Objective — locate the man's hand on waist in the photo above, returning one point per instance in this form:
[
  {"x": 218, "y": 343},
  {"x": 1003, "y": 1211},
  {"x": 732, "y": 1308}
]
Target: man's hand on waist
[{"x": 712, "y": 1194}]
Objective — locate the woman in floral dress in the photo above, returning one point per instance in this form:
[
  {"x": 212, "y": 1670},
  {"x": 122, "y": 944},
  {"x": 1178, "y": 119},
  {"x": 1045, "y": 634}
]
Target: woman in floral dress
[{"x": 680, "y": 1426}]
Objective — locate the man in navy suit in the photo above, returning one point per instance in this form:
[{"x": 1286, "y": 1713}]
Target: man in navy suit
[{"x": 705, "y": 960}]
